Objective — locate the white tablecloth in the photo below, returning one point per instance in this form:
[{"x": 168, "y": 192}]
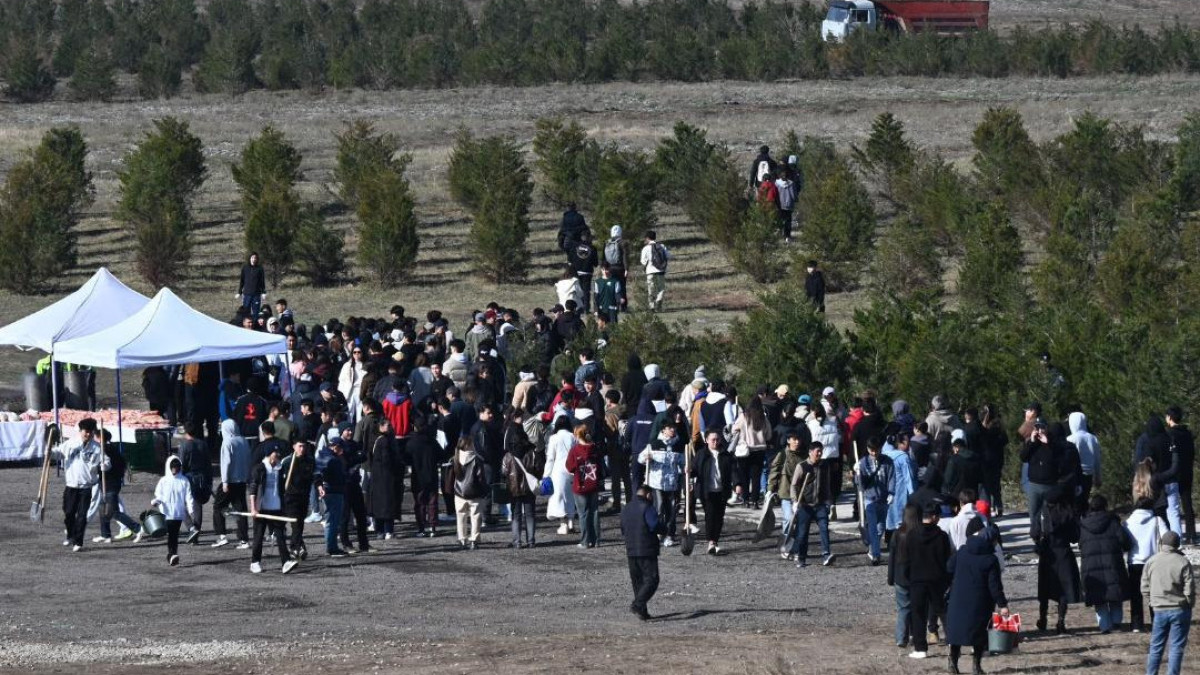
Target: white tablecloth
[{"x": 22, "y": 440}]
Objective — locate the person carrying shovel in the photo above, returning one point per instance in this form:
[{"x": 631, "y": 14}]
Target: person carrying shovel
[
  {"x": 815, "y": 483},
  {"x": 83, "y": 460}
]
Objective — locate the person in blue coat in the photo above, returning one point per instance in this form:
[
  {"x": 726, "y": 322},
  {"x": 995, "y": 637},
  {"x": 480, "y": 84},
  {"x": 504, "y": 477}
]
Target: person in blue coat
[
  {"x": 975, "y": 592},
  {"x": 903, "y": 479}
]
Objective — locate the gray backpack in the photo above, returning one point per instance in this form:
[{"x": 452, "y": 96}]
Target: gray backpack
[{"x": 612, "y": 253}]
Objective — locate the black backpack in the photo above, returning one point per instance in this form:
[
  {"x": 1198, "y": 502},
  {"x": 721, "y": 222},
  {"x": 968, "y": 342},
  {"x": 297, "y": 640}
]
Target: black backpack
[{"x": 658, "y": 256}]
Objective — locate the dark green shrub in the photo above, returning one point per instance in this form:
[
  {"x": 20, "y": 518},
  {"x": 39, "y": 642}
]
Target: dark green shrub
[
  {"x": 627, "y": 188},
  {"x": 756, "y": 251},
  {"x": 362, "y": 155},
  {"x": 991, "y": 278},
  {"x": 789, "y": 342},
  {"x": 387, "y": 234},
  {"x": 158, "y": 181},
  {"x": 267, "y": 159},
  {"x": 489, "y": 177},
  {"x": 159, "y": 74},
  {"x": 1007, "y": 161},
  {"x": 839, "y": 224},
  {"x": 319, "y": 251},
  {"x": 888, "y": 154},
  {"x": 26, "y": 77},
  {"x": 228, "y": 62},
  {"x": 679, "y": 159},
  {"x": 93, "y": 78},
  {"x": 566, "y": 159},
  {"x": 272, "y": 221},
  {"x": 907, "y": 265}
]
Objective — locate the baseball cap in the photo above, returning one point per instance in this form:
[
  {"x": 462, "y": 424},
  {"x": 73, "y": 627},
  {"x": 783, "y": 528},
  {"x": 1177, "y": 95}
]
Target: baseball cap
[{"x": 828, "y": 391}]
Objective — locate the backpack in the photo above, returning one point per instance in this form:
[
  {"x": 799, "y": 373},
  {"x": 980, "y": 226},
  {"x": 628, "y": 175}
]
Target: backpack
[
  {"x": 658, "y": 256},
  {"x": 588, "y": 476},
  {"x": 541, "y": 395},
  {"x": 471, "y": 481},
  {"x": 612, "y": 253}
]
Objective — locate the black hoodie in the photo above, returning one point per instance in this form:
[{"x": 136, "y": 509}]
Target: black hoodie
[
  {"x": 929, "y": 550},
  {"x": 633, "y": 383}
]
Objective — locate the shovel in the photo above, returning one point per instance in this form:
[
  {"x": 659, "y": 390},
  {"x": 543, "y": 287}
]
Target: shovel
[
  {"x": 689, "y": 541},
  {"x": 105, "y": 505},
  {"x": 766, "y": 520},
  {"x": 37, "y": 512},
  {"x": 264, "y": 516}
]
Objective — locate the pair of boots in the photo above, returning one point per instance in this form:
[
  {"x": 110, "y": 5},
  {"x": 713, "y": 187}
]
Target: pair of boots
[
  {"x": 1061, "y": 626},
  {"x": 976, "y": 659}
]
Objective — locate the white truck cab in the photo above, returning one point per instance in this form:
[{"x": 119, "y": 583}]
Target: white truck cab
[{"x": 847, "y": 16}]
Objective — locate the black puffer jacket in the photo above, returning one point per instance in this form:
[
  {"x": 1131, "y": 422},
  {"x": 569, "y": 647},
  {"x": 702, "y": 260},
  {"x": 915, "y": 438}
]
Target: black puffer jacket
[{"x": 1103, "y": 543}]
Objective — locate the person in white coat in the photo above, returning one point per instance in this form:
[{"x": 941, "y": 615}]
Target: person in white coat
[
  {"x": 824, "y": 430},
  {"x": 350, "y": 381},
  {"x": 173, "y": 498},
  {"x": 561, "y": 504},
  {"x": 1146, "y": 529}
]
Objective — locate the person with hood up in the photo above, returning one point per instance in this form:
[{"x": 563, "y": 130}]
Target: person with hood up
[
  {"x": 561, "y": 505},
  {"x": 235, "y": 471},
  {"x": 398, "y": 408},
  {"x": 975, "y": 592},
  {"x": 1146, "y": 530},
  {"x": 656, "y": 388},
  {"x": 468, "y": 481},
  {"x": 266, "y": 494},
  {"x": 1103, "y": 545},
  {"x": 1058, "y": 571},
  {"x": 173, "y": 498},
  {"x": 941, "y": 420},
  {"x": 638, "y": 434},
  {"x": 478, "y": 333},
  {"x": 616, "y": 254},
  {"x": 663, "y": 460},
  {"x": 1089, "y": 458},
  {"x": 634, "y": 381},
  {"x": 902, "y": 416}
]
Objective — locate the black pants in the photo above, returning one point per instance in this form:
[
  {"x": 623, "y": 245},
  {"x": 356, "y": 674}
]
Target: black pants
[
  {"x": 356, "y": 505},
  {"x": 173, "y": 537},
  {"x": 1187, "y": 511},
  {"x": 622, "y": 482},
  {"x": 260, "y": 528},
  {"x": 927, "y": 600},
  {"x": 751, "y": 478},
  {"x": 425, "y": 508},
  {"x": 1136, "y": 614},
  {"x": 296, "y": 506},
  {"x": 991, "y": 485},
  {"x": 785, "y": 222},
  {"x": 585, "y": 285},
  {"x": 714, "y": 515},
  {"x": 667, "y": 505},
  {"x": 76, "y": 502},
  {"x": 643, "y": 574},
  {"x": 1085, "y": 493},
  {"x": 235, "y": 497}
]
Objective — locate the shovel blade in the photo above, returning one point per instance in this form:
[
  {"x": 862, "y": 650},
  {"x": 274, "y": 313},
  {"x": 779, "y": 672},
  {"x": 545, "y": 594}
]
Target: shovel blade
[
  {"x": 688, "y": 543},
  {"x": 36, "y": 512}
]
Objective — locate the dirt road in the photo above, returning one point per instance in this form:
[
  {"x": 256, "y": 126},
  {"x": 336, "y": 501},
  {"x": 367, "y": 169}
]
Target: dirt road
[{"x": 424, "y": 604}]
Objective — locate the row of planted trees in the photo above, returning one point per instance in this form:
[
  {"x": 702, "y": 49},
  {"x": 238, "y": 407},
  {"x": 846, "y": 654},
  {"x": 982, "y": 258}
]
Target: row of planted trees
[{"x": 233, "y": 46}]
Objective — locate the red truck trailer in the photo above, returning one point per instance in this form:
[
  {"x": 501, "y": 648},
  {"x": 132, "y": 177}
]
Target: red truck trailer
[{"x": 944, "y": 17}]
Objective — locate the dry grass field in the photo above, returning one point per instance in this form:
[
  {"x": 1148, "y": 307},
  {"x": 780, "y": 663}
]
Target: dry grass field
[{"x": 939, "y": 114}]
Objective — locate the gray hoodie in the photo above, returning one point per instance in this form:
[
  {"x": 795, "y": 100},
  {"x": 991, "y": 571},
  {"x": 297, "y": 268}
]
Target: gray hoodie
[
  {"x": 1089, "y": 447},
  {"x": 235, "y": 454}
]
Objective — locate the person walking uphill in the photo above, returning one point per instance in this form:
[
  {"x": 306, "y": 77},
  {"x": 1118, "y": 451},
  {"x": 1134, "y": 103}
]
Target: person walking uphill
[
  {"x": 641, "y": 528},
  {"x": 654, "y": 259},
  {"x": 82, "y": 462},
  {"x": 252, "y": 286},
  {"x": 173, "y": 497},
  {"x": 974, "y": 593},
  {"x": 1170, "y": 582}
]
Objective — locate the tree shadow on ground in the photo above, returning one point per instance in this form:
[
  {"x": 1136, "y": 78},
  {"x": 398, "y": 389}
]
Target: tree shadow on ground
[{"x": 701, "y": 613}]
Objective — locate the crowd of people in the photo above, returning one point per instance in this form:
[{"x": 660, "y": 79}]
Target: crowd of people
[{"x": 361, "y": 411}]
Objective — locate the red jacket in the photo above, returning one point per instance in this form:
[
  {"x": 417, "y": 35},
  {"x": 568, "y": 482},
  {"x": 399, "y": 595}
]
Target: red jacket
[
  {"x": 397, "y": 408},
  {"x": 768, "y": 193},
  {"x": 584, "y": 464}
]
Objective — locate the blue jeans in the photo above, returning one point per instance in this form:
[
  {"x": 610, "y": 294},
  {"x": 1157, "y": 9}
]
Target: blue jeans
[
  {"x": 903, "y": 611},
  {"x": 876, "y": 517},
  {"x": 1170, "y": 625},
  {"x": 1174, "y": 521},
  {"x": 252, "y": 302},
  {"x": 785, "y": 506},
  {"x": 1036, "y": 496},
  {"x": 1108, "y": 616},
  {"x": 333, "y": 519},
  {"x": 805, "y": 515}
]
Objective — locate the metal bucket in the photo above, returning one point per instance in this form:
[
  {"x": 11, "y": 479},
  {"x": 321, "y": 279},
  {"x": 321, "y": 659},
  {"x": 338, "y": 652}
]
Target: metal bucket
[
  {"x": 153, "y": 524},
  {"x": 1001, "y": 641}
]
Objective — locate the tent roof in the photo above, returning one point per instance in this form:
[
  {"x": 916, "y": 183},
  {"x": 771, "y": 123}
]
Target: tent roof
[
  {"x": 164, "y": 332},
  {"x": 98, "y": 304}
]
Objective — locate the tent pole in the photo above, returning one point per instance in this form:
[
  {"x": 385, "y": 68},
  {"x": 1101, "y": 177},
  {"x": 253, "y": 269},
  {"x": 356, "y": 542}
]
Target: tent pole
[
  {"x": 120, "y": 438},
  {"x": 54, "y": 400}
]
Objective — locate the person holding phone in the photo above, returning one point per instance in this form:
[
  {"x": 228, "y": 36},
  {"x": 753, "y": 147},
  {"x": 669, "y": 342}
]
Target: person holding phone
[{"x": 1045, "y": 459}]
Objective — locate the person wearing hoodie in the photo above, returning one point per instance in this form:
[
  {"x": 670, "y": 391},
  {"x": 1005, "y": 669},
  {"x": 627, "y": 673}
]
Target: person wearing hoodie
[
  {"x": 663, "y": 460},
  {"x": 457, "y": 365},
  {"x": 634, "y": 381},
  {"x": 927, "y": 554},
  {"x": 904, "y": 479},
  {"x": 1146, "y": 530},
  {"x": 656, "y": 387},
  {"x": 235, "y": 471},
  {"x": 298, "y": 470},
  {"x": 616, "y": 254},
  {"x": 1103, "y": 545},
  {"x": 583, "y": 259},
  {"x": 585, "y": 462},
  {"x": 902, "y": 416},
  {"x": 266, "y": 495},
  {"x": 1183, "y": 451},
  {"x": 783, "y": 467},
  {"x": 638, "y": 434},
  {"x": 173, "y": 498},
  {"x": 398, "y": 408},
  {"x": 1171, "y": 585},
  {"x": 941, "y": 421},
  {"x": 975, "y": 593},
  {"x": 1089, "y": 458},
  {"x": 1045, "y": 460},
  {"x": 995, "y": 444},
  {"x": 1058, "y": 570},
  {"x": 468, "y": 482},
  {"x": 964, "y": 471}
]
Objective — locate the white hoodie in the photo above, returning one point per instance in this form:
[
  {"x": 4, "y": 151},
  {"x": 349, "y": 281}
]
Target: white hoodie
[
  {"x": 1146, "y": 529},
  {"x": 173, "y": 494},
  {"x": 1089, "y": 447}
]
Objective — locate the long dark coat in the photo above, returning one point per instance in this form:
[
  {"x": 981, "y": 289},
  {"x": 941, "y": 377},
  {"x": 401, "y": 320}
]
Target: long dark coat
[
  {"x": 1103, "y": 543},
  {"x": 975, "y": 592},
  {"x": 1058, "y": 572},
  {"x": 387, "y": 478},
  {"x": 425, "y": 456}
]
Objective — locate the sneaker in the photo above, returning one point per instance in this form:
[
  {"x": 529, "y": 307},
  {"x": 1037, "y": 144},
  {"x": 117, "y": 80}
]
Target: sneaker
[
  {"x": 123, "y": 535},
  {"x": 387, "y": 536},
  {"x": 801, "y": 564},
  {"x": 918, "y": 655},
  {"x": 76, "y": 548},
  {"x": 173, "y": 561},
  {"x": 422, "y": 533},
  {"x": 338, "y": 554},
  {"x": 787, "y": 556},
  {"x": 303, "y": 554},
  {"x": 138, "y": 538},
  {"x": 313, "y": 518},
  {"x": 66, "y": 542},
  {"x": 716, "y": 550},
  {"x": 562, "y": 529},
  {"x": 472, "y": 545},
  {"x": 243, "y": 545},
  {"x": 432, "y": 534},
  {"x": 712, "y": 549},
  {"x": 580, "y": 545},
  {"x": 290, "y": 565},
  {"x": 734, "y": 501},
  {"x": 194, "y": 537},
  {"x": 828, "y": 559},
  {"x": 873, "y": 559},
  {"x": 668, "y": 542},
  {"x": 694, "y": 529},
  {"x": 221, "y": 541},
  {"x": 256, "y": 568},
  {"x": 932, "y": 638},
  {"x": 101, "y": 540}
]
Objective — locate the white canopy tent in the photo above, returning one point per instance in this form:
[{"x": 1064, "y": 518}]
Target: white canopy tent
[
  {"x": 98, "y": 304},
  {"x": 166, "y": 331}
]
